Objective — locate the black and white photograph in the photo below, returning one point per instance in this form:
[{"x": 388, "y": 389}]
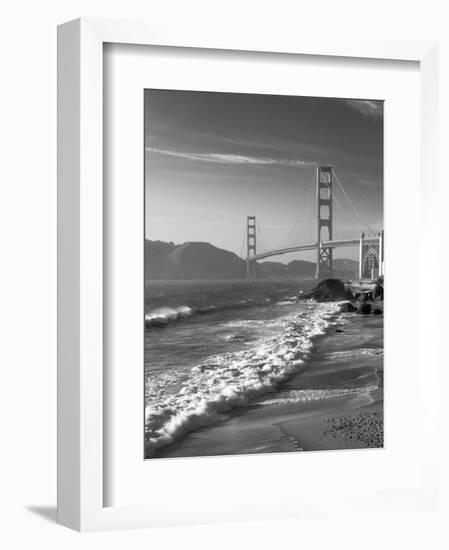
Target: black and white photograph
[
  {"x": 264, "y": 273},
  {"x": 203, "y": 203}
]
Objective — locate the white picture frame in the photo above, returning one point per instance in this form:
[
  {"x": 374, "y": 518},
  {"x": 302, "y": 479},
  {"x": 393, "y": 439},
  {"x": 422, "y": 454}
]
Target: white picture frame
[{"x": 81, "y": 488}]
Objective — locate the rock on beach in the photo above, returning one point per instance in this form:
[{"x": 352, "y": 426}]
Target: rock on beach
[
  {"x": 364, "y": 308},
  {"x": 347, "y": 307},
  {"x": 329, "y": 290}
]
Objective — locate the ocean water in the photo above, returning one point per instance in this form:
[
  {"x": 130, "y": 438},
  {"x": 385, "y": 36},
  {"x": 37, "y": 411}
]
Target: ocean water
[{"x": 212, "y": 346}]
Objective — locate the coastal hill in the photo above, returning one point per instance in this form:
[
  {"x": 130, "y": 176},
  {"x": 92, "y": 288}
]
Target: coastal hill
[
  {"x": 191, "y": 260},
  {"x": 201, "y": 260}
]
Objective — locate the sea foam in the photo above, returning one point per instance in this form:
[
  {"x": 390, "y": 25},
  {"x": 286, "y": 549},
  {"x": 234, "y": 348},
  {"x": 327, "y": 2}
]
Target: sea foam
[
  {"x": 305, "y": 396},
  {"x": 229, "y": 380}
]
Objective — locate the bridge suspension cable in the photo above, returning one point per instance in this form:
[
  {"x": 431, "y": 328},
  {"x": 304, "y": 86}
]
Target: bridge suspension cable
[
  {"x": 262, "y": 239},
  {"x": 243, "y": 245},
  {"x": 294, "y": 230},
  {"x": 337, "y": 179},
  {"x": 300, "y": 229},
  {"x": 338, "y": 203}
]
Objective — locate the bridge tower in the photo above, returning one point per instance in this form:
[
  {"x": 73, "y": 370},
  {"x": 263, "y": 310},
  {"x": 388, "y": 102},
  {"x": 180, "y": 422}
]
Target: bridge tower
[
  {"x": 324, "y": 221},
  {"x": 371, "y": 256},
  {"x": 381, "y": 253},
  {"x": 250, "y": 246}
]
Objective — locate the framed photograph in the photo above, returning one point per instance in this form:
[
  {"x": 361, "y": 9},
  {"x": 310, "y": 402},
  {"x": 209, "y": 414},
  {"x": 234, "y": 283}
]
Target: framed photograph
[
  {"x": 234, "y": 328},
  {"x": 243, "y": 354}
]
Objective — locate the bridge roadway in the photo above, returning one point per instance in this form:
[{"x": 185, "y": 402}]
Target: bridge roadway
[{"x": 313, "y": 246}]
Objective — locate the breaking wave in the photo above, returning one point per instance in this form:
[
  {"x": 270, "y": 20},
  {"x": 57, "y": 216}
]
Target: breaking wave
[
  {"x": 178, "y": 403},
  {"x": 162, "y": 316}
]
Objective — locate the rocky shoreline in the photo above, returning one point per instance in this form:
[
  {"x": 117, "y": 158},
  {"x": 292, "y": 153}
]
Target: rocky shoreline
[{"x": 364, "y": 300}]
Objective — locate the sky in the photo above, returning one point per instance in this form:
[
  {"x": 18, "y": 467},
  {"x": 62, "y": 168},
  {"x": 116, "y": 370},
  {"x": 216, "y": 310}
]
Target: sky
[{"x": 211, "y": 159}]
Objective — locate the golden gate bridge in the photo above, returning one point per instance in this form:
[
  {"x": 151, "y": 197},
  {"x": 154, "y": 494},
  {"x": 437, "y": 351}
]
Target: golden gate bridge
[{"x": 370, "y": 244}]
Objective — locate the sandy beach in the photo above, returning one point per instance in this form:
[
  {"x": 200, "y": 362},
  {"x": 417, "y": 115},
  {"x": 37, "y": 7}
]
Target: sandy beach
[{"x": 334, "y": 402}]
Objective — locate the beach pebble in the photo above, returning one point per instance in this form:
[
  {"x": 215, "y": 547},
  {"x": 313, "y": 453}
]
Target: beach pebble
[
  {"x": 347, "y": 307},
  {"x": 364, "y": 309}
]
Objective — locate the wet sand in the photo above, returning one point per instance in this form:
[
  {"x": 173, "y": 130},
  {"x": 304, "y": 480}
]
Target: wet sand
[{"x": 335, "y": 402}]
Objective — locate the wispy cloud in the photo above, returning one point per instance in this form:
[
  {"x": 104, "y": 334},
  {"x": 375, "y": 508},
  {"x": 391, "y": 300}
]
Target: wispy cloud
[
  {"x": 226, "y": 158},
  {"x": 256, "y": 146},
  {"x": 367, "y": 107}
]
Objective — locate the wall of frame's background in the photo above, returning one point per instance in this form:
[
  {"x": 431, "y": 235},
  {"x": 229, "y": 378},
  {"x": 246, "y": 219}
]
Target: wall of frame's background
[{"x": 28, "y": 274}]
